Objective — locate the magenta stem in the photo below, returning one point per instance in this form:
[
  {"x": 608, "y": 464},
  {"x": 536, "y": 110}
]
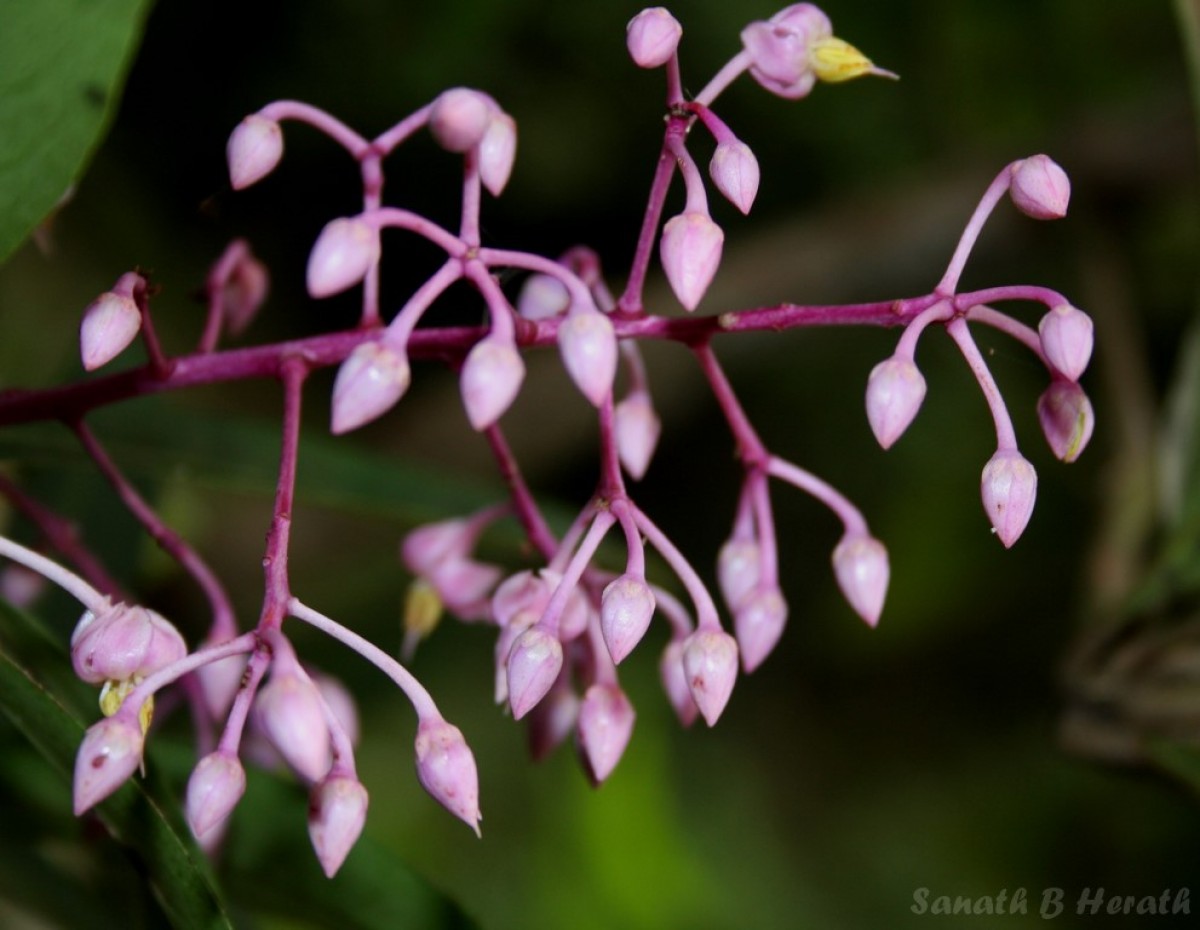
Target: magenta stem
[
  {"x": 574, "y": 571},
  {"x": 1006, "y": 437},
  {"x": 537, "y": 531},
  {"x": 750, "y": 448},
  {"x": 706, "y": 608},
  {"x": 851, "y": 517},
  {"x": 997, "y": 189}
]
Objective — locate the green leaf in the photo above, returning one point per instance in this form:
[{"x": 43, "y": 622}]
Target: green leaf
[{"x": 62, "y": 67}]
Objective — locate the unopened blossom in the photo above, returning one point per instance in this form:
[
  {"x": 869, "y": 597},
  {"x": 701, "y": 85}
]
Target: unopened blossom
[
  {"x": 110, "y": 323},
  {"x": 289, "y": 712},
  {"x": 710, "y": 661},
  {"x": 123, "y": 642},
  {"x": 734, "y": 170},
  {"x": 1066, "y": 337},
  {"x": 446, "y": 769},
  {"x": 588, "y": 347},
  {"x": 739, "y": 566},
  {"x": 626, "y": 607},
  {"x": 497, "y": 152},
  {"x": 1009, "y": 489},
  {"x": 214, "y": 788},
  {"x": 636, "y": 427},
  {"x": 690, "y": 250},
  {"x": 464, "y": 586},
  {"x": 1040, "y": 188},
  {"x": 459, "y": 118},
  {"x": 758, "y": 621},
  {"x": 428, "y": 544},
  {"x": 111, "y": 751},
  {"x": 490, "y": 381},
  {"x": 779, "y": 49},
  {"x": 337, "y": 812},
  {"x": 254, "y": 149},
  {"x": 244, "y": 291},
  {"x": 652, "y": 37},
  {"x": 895, "y": 391},
  {"x": 552, "y": 720},
  {"x": 605, "y": 725},
  {"x": 344, "y": 252},
  {"x": 369, "y": 383},
  {"x": 675, "y": 684},
  {"x": 1066, "y": 418},
  {"x": 860, "y": 564},
  {"x": 523, "y": 591},
  {"x": 542, "y": 296},
  {"x": 533, "y": 665}
]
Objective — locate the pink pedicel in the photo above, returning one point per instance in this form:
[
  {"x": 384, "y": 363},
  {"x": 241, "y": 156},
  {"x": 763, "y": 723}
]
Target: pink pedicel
[
  {"x": 1009, "y": 489},
  {"x": 254, "y": 149},
  {"x": 446, "y": 769},
  {"x": 337, "y": 812},
  {"x": 652, "y": 37}
]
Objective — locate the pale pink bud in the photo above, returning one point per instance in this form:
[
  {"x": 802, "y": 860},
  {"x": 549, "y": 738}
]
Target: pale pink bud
[
  {"x": 589, "y": 353},
  {"x": 21, "y": 586},
  {"x": 575, "y": 616},
  {"x": 340, "y": 702},
  {"x": 369, "y": 383},
  {"x": 289, "y": 712},
  {"x": 446, "y": 770},
  {"x": 637, "y": 428},
  {"x": 427, "y": 545},
  {"x": 895, "y": 391},
  {"x": 124, "y": 642},
  {"x": 110, "y": 323},
  {"x": 337, "y": 811},
  {"x": 1067, "y": 420},
  {"x": 860, "y": 564},
  {"x": 216, "y": 785},
  {"x": 517, "y": 624},
  {"x": 111, "y": 751},
  {"x": 244, "y": 292},
  {"x": 739, "y": 565},
  {"x": 652, "y": 37},
  {"x": 780, "y": 49},
  {"x": 219, "y": 682},
  {"x": 459, "y": 118},
  {"x": 605, "y": 724},
  {"x": 542, "y": 296},
  {"x": 533, "y": 665},
  {"x": 690, "y": 251},
  {"x": 254, "y": 149},
  {"x": 1009, "y": 490},
  {"x": 626, "y": 607},
  {"x": 524, "y": 591},
  {"x": 344, "y": 252},
  {"x": 1040, "y": 188},
  {"x": 710, "y": 659},
  {"x": 759, "y": 621},
  {"x": 552, "y": 721},
  {"x": 675, "y": 683},
  {"x": 1066, "y": 334},
  {"x": 490, "y": 380},
  {"x": 734, "y": 170},
  {"x": 497, "y": 152},
  {"x": 464, "y": 585}
]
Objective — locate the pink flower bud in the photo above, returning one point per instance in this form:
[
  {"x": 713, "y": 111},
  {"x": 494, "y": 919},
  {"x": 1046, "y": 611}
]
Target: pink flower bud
[
  {"x": 1040, "y": 188},
  {"x": 337, "y": 810},
  {"x": 124, "y": 642},
  {"x": 21, "y": 586},
  {"x": 289, "y": 712},
  {"x": 1066, "y": 335},
  {"x": 254, "y": 149},
  {"x": 734, "y": 170},
  {"x": 524, "y": 591},
  {"x": 344, "y": 252},
  {"x": 369, "y": 383},
  {"x": 216, "y": 785},
  {"x": 244, "y": 292},
  {"x": 690, "y": 251},
  {"x": 1067, "y": 420},
  {"x": 446, "y": 770},
  {"x": 341, "y": 704},
  {"x": 626, "y": 607},
  {"x": 110, "y": 323},
  {"x": 219, "y": 682},
  {"x": 552, "y": 721},
  {"x": 459, "y": 118},
  {"x": 1009, "y": 490},
  {"x": 675, "y": 683},
  {"x": 652, "y": 37},
  {"x": 490, "y": 380},
  {"x": 895, "y": 391},
  {"x": 589, "y": 353},
  {"x": 637, "y": 428},
  {"x": 111, "y": 751},
  {"x": 759, "y": 621},
  {"x": 780, "y": 49},
  {"x": 710, "y": 659},
  {"x": 464, "y": 585},
  {"x": 533, "y": 665},
  {"x": 739, "y": 566},
  {"x": 576, "y": 615},
  {"x": 860, "y": 564},
  {"x": 542, "y": 296},
  {"x": 497, "y": 152},
  {"x": 509, "y": 634},
  {"x": 605, "y": 724},
  {"x": 427, "y": 545}
]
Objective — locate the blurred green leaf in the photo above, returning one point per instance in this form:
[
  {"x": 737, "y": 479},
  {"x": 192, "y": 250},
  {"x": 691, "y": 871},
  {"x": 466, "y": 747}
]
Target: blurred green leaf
[{"x": 62, "y": 67}]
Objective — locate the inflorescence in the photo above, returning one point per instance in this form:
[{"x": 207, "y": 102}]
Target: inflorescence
[{"x": 563, "y": 628}]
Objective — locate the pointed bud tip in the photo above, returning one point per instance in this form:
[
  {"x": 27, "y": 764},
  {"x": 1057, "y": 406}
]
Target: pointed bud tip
[
  {"x": 490, "y": 381},
  {"x": 110, "y": 323},
  {"x": 1040, "y": 188},
  {"x": 446, "y": 769},
  {"x": 369, "y": 383},
  {"x": 690, "y": 251},
  {"x": 626, "y": 607},
  {"x": 533, "y": 665},
  {"x": 344, "y": 252},
  {"x": 110, "y": 753},
  {"x": 254, "y": 149},
  {"x": 588, "y": 346},
  {"x": 1009, "y": 491},
  {"x": 895, "y": 392},
  {"x": 710, "y": 661},
  {"x": 337, "y": 812},
  {"x": 860, "y": 564}
]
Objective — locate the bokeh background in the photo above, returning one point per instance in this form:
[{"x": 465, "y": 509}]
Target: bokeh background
[{"x": 855, "y": 766}]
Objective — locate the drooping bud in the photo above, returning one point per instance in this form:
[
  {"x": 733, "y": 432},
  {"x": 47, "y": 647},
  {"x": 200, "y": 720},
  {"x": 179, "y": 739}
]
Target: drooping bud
[
  {"x": 710, "y": 659},
  {"x": 337, "y": 811},
  {"x": 860, "y": 564},
  {"x": 111, "y": 751},
  {"x": 523, "y": 591},
  {"x": 369, "y": 383},
  {"x": 759, "y": 621},
  {"x": 429, "y": 544},
  {"x": 216, "y": 785},
  {"x": 110, "y": 323},
  {"x": 552, "y": 721},
  {"x": 509, "y": 634},
  {"x": 575, "y": 616},
  {"x": 589, "y": 352},
  {"x": 739, "y": 566},
  {"x": 895, "y": 391},
  {"x": 626, "y": 607},
  {"x": 1067, "y": 420},
  {"x": 219, "y": 681},
  {"x": 690, "y": 251},
  {"x": 533, "y": 665},
  {"x": 637, "y": 428},
  {"x": 498, "y": 152},
  {"x": 490, "y": 380},
  {"x": 464, "y": 585},
  {"x": 1066, "y": 334},
  {"x": 1040, "y": 188},
  {"x": 1009, "y": 488},
  {"x": 124, "y": 642},
  {"x": 606, "y": 721},
  {"x": 289, "y": 712},
  {"x": 675, "y": 683},
  {"x": 779, "y": 49},
  {"x": 542, "y": 296},
  {"x": 344, "y": 252},
  {"x": 734, "y": 170},
  {"x": 446, "y": 769},
  {"x": 652, "y": 37},
  {"x": 244, "y": 292},
  {"x": 254, "y": 149},
  {"x": 340, "y": 701},
  {"x": 459, "y": 118}
]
